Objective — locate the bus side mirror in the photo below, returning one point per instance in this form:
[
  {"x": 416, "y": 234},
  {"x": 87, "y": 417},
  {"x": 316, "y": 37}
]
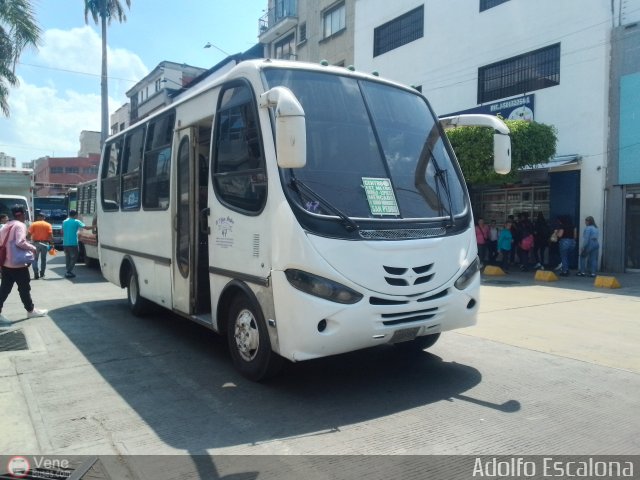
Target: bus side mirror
[
  {"x": 501, "y": 139},
  {"x": 501, "y": 153},
  {"x": 291, "y": 129}
]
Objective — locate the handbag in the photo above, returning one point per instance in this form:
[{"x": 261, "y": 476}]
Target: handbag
[{"x": 20, "y": 256}]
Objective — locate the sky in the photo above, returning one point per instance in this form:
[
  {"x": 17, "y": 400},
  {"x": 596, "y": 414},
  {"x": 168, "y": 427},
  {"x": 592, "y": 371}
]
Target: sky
[{"x": 59, "y": 91}]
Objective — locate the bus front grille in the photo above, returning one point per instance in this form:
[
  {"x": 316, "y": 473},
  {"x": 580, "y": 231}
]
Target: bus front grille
[{"x": 402, "y": 234}]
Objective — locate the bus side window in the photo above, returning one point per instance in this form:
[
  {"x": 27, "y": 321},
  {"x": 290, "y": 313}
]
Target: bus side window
[
  {"x": 157, "y": 163},
  {"x": 111, "y": 175},
  {"x": 131, "y": 162},
  {"x": 239, "y": 166}
]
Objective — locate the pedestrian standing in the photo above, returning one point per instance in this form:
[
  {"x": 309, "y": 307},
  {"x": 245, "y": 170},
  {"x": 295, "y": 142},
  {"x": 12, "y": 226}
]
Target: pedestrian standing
[
  {"x": 493, "y": 242},
  {"x": 4, "y": 218},
  {"x": 542, "y": 232},
  {"x": 482, "y": 239},
  {"x": 14, "y": 269},
  {"x": 505, "y": 242},
  {"x": 70, "y": 229},
  {"x": 567, "y": 240},
  {"x": 42, "y": 238},
  {"x": 590, "y": 248}
]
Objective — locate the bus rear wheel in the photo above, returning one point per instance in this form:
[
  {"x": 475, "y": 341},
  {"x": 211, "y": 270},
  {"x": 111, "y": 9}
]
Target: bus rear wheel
[
  {"x": 248, "y": 341},
  {"x": 138, "y": 305}
]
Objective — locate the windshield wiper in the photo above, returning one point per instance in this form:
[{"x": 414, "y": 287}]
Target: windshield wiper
[
  {"x": 441, "y": 175},
  {"x": 347, "y": 222},
  {"x": 441, "y": 178}
]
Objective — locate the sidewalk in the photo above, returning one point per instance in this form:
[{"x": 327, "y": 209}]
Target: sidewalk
[{"x": 570, "y": 317}]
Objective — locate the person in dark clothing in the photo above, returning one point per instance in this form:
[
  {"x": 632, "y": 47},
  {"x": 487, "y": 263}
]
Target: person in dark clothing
[
  {"x": 567, "y": 242},
  {"x": 525, "y": 240},
  {"x": 541, "y": 234}
]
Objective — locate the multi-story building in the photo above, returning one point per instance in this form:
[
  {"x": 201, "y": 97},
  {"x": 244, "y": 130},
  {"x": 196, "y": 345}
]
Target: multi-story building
[
  {"x": 55, "y": 175},
  {"x": 309, "y": 31},
  {"x": 7, "y": 161},
  {"x": 119, "y": 119},
  {"x": 153, "y": 91},
  {"x": 89, "y": 143},
  {"x": 548, "y": 61}
]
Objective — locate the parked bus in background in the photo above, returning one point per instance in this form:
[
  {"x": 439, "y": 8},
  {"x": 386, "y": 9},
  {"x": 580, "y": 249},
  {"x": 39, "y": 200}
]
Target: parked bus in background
[
  {"x": 54, "y": 208},
  {"x": 85, "y": 198},
  {"x": 300, "y": 210}
]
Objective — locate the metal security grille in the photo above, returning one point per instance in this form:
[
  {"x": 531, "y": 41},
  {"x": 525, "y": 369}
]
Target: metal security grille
[
  {"x": 13, "y": 340},
  {"x": 517, "y": 75},
  {"x": 399, "y": 31}
]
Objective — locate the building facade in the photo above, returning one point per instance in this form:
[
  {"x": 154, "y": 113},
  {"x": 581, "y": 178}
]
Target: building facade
[
  {"x": 154, "y": 91},
  {"x": 89, "y": 143},
  {"x": 55, "y": 175},
  {"x": 548, "y": 61},
  {"x": 309, "y": 30},
  {"x": 7, "y": 161}
]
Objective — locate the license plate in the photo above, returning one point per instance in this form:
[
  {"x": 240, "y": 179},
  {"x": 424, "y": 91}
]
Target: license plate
[{"x": 404, "y": 335}]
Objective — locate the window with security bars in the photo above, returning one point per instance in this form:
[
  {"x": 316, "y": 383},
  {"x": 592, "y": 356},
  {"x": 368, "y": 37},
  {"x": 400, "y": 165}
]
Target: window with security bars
[
  {"x": 517, "y": 75},
  {"x": 487, "y": 4},
  {"x": 399, "y": 31}
]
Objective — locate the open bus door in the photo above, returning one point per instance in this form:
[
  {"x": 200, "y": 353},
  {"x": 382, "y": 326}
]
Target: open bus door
[{"x": 190, "y": 241}]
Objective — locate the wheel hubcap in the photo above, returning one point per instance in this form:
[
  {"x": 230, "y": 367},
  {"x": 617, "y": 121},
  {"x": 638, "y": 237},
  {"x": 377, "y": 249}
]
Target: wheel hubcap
[
  {"x": 247, "y": 335},
  {"x": 133, "y": 289}
]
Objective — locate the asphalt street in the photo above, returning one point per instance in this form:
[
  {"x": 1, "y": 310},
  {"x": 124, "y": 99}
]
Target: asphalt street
[{"x": 551, "y": 368}]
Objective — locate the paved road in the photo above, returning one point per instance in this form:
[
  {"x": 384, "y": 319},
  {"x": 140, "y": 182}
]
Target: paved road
[{"x": 550, "y": 369}]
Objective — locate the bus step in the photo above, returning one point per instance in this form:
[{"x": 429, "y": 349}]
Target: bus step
[{"x": 203, "y": 318}]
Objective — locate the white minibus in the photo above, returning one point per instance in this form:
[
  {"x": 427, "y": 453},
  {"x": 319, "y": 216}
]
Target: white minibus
[{"x": 301, "y": 210}]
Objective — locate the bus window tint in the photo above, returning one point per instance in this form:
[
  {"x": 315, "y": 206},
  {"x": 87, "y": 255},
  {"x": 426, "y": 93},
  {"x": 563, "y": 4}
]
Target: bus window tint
[
  {"x": 131, "y": 161},
  {"x": 111, "y": 175},
  {"x": 239, "y": 170},
  {"x": 157, "y": 162}
]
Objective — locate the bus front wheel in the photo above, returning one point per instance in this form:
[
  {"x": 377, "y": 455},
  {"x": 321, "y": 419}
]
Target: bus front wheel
[
  {"x": 138, "y": 305},
  {"x": 249, "y": 343}
]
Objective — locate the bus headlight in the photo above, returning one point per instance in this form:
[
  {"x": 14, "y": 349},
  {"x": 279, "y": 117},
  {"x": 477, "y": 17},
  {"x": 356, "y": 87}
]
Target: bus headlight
[
  {"x": 322, "y": 287},
  {"x": 465, "y": 279}
]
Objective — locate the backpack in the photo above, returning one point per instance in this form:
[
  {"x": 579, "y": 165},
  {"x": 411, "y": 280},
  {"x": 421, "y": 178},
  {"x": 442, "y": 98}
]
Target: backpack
[{"x": 527, "y": 243}]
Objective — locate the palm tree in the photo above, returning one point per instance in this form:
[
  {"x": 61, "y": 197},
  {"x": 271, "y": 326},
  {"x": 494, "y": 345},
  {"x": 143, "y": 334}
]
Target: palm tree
[
  {"x": 18, "y": 30},
  {"x": 105, "y": 10}
]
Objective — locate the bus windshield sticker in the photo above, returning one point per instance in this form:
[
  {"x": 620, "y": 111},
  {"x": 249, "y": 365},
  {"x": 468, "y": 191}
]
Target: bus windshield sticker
[{"x": 382, "y": 200}]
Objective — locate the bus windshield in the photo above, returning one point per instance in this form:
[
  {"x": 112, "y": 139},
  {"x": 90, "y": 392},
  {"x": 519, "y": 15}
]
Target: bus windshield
[
  {"x": 53, "y": 208},
  {"x": 374, "y": 151}
]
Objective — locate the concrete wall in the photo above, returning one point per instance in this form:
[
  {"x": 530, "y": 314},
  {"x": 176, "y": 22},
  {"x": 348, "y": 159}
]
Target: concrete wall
[{"x": 625, "y": 62}]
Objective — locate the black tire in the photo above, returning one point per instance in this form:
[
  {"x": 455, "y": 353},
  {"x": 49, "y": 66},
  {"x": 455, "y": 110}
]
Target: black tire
[
  {"x": 420, "y": 343},
  {"x": 139, "y": 306},
  {"x": 249, "y": 342}
]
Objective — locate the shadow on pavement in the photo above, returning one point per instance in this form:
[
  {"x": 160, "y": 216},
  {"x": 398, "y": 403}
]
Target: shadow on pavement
[{"x": 178, "y": 377}]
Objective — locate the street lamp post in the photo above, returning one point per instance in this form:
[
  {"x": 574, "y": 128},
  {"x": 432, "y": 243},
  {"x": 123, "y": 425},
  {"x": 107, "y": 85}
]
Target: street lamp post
[{"x": 210, "y": 45}]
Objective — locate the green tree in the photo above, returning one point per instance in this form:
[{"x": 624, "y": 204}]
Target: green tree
[
  {"x": 103, "y": 11},
  {"x": 532, "y": 143},
  {"x": 18, "y": 30}
]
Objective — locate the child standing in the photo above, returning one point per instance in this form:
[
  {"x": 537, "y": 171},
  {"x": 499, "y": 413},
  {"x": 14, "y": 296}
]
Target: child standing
[{"x": 505, "y": 241}]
